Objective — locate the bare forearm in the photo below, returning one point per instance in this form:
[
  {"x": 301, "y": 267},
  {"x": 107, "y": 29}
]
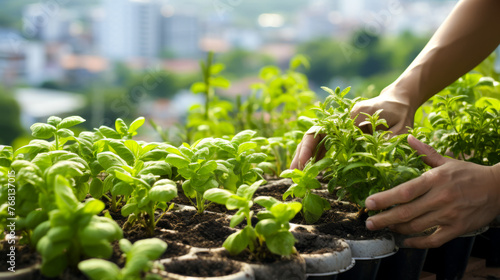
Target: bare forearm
[{"x": 468, "y": 36}]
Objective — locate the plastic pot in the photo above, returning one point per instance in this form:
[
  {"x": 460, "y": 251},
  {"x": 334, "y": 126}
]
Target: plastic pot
[
  {"x": 450, "y": 260},
  {"x": 487, "y": 245},
  {"x": 336, "y": 257},
  {"x": 406, "y": 264},
  {"x": 292, "y": 269},
  {"x": 368, "y": 255},
  {"x": 179, "y": 268}
]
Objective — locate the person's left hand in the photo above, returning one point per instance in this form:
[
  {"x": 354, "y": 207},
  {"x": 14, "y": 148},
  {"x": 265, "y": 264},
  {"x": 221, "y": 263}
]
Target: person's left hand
[{"x": 456, "y": 196}]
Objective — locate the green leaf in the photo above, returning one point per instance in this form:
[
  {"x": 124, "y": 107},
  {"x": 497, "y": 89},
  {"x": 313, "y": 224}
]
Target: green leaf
[
  {"x": 219, "y": 82},
  {"x": 39, "y": 232},
  {"x": 219, "y": 196},
  {"x": 288, "y": 173},
  {"x": 50, "y": 250},
  {"x": 314, "y": 206},
  {"x": 101, "y": 249},
  {"x": 247, "y": 192},
  {"x": 159, "y": 168},
  {"x": 237, "y": 218},
  {"x": 188, "y": 189},
  {"x": 256, "y": 158},
  {"x": 243, "y": 136},
  {"x": 65, "y": 198},
  {"x": 266, "y": 201},
  {"x": 284, "y": 212},
  {"x": 96, "y": 188},
  {"x": 177, "y": 161},
  {"x": 298, "y": 60},
  {"x": 97, "y": 269},
  {"x": 63, "y": 233},
  {"x": 128, "y": 209},
  {"x": 53, "y": 120},
  {"x": 122, "y": 188},
  {"x": 109, "y": 159},
  {"x": 121, "y": 127},
  {"x": 267, "y": 227},
  {"x": 224, "y": 145},
  {"x": 70, "y": 121},
  {"x": 65, "y": 133},
  {"x": 198, "y": 87},
  {"x": 99, "y": 229},
  {"x": 163, "y": 190},
  {"x": 125, "y": 245},
  {"x": 246, "y": 146},
  {"x": 108, "y": 132},
  {"x": 42, "y": 130},
  {"x": 151, "y": 249},
  {"x": 207, "y": 168},
  {"x": 123, "y": 151},
  {"x": 281, "y": 243},
  {"x": 92, "y": 207},
  {"x": 136, "y": 124},
  {"x": 236, "y": 242}
]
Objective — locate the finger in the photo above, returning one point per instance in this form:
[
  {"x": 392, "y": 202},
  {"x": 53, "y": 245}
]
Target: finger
[
  {"x": 403, "y": 217},
  {"x": 305, "y": 151},
  {"x": 403, "y": 193},
  {"x": 419, "y": 224},
  {"x": 442, "y": 235},
  {"x": 432, "y": 157},
  {"x": 295, "y": 160}
]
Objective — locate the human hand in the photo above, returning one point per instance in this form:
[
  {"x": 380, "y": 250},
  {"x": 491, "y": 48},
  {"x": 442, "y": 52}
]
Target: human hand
[
  {"x": 397, "y": 111},
  {"x": 456, "y": 196}
]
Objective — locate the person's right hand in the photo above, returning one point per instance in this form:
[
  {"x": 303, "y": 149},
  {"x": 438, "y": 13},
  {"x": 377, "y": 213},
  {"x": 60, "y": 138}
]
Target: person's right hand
[{"x": 397, "y": 111}]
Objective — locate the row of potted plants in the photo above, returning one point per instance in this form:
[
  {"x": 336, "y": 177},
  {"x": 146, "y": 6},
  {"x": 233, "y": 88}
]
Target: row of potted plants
[{"x": 78, "y": 199}]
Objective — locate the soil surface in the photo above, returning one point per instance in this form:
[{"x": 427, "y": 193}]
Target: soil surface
[
  {"x": 202, "y": 267},
  {"x": 207, "y": 231},
  {"x": 342, "y": 221},
  {"x": 317, "y": 244}
]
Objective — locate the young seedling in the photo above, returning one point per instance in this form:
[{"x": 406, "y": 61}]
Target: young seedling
[
  {"x": 139, "y": 260},
  {"x": 121, "y": 131},
  {"x": 239, "y": 156},
  {"x": 363, "y": 164},
  {"x": 271, "y": 235},
  {"x": 34, "y": 188},
  {"x": 304, "y": 181},
  {"x": 279, "y": 100},
  {"x": 196, "y": 165},
  {"x": 73, "y": 231},
  {"x": 58, "y": 129},
  {"x": 213, "y": 118}
]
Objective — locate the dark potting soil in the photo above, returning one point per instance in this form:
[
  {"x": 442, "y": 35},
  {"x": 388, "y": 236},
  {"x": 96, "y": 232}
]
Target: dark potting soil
[
  {"x": 342, "y": 221},
  {"x": 316, "y": 244},
  {"x": 348, "y": 226},
  {"x": 209, "y": 234},
  {"x": 185, "y": 220},
  {"x": 275, "y": 189},
  {"x": 203, "y": 267},
  {"x": 23, "y": 256}
]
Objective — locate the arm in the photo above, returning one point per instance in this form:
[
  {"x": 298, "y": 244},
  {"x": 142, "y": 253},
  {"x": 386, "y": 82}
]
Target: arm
[{"x": 468, "y": 36}]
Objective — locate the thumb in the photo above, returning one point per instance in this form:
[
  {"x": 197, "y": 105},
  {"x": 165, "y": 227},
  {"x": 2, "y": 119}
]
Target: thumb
[{"x": 431, "y": 156}]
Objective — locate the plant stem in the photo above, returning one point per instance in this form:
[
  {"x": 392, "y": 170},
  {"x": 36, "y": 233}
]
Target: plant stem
[{"x": 200, "y": 203}]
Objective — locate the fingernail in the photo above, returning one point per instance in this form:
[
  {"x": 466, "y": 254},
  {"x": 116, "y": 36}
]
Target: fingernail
[
  {"x": 370, "y": 204},
  {"x": 369, "y": 225}
]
